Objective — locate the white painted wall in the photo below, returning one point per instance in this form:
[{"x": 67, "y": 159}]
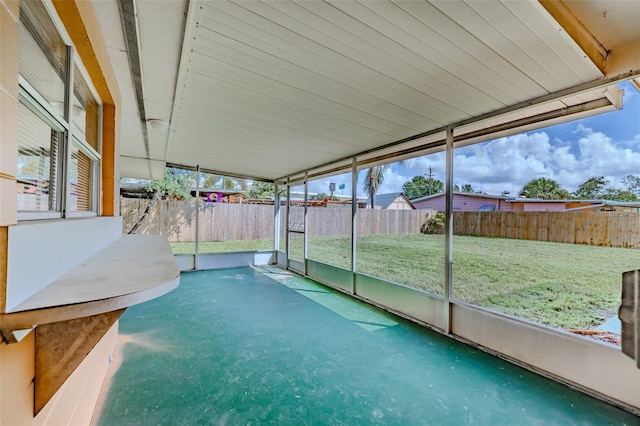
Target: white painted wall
[{"x": 233, "y": 259}]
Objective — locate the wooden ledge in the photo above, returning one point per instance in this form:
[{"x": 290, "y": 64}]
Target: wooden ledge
[
  {"x": 132, "y": 270},
  {"x": 74, "y": 312}
]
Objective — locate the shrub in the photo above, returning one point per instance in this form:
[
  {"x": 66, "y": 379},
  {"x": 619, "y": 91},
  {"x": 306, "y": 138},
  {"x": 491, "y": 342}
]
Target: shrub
[{"x": 434, "y": 224}]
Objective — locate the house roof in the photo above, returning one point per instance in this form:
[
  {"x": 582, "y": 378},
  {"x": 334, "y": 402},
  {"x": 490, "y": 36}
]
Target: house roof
[
  {"x": 270, "y": 90},
  {"x": 509, "y": 199},
  {"x": 466, "y": 194},
  {"x": 506, "y": 198},
  {"x": 384, "y": 200}
]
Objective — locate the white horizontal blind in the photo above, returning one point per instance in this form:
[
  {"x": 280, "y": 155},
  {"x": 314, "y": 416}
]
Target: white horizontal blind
[{"x": 37, "y": 170}]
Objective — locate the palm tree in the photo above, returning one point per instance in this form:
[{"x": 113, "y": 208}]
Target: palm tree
[
  {"x": 467, "y": 188},
  {"x": 375, "y": 177}
]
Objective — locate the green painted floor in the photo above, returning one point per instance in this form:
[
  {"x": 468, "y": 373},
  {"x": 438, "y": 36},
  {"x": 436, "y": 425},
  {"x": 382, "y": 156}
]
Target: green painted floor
[{"x": 260, "y": 346}]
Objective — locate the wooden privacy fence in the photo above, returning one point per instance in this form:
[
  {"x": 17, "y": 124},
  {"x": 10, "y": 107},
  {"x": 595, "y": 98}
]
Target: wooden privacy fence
[
  {"x": 608, "y": 229},
  {"x": 225, "y": 222},
  {"x": 325, "y": 222}
]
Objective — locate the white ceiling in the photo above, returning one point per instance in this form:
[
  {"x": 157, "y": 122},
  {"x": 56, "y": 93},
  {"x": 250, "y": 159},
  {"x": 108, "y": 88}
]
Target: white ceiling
[{"x": 268, "y": 89}]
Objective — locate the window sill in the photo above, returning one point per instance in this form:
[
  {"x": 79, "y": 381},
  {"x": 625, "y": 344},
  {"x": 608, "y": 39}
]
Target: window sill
[
  {"x": 24, "y": 216},
  {"x": 81, "y": 214},
  {"x": 40, "y": 215}
]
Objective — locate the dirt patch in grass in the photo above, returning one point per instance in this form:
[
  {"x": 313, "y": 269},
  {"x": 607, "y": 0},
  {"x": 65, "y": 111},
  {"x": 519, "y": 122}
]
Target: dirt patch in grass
[{"x": 603, "y": 336}]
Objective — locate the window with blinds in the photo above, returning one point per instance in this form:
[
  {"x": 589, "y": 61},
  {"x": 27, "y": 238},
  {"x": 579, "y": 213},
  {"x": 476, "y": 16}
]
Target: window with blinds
[
  {"x": 58, "y": 122},
  {"x": 81, "y": 178},
  {"x": 38, "y": 173},
  {"x": 42, "y": 54}
]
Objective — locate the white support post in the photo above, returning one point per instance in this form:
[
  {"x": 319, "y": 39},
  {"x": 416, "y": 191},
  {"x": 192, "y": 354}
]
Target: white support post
[
  {"x": 448, "y": 282},
  {"x": 354, "y": 221},
  {"x": 305, "y": 240},
  {"x": 197, "y": 221},
  {"x": 286, "y": 226},
  {"x": 276, "y": 219}
]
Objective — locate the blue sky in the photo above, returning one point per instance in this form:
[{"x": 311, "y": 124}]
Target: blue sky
[{"x": 603, "y": 145}]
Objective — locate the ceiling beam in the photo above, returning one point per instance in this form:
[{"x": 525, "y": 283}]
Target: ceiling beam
[
  {"x": 624, "y": 60},
  {"x": 577, "y": 31},
  {"x": 129, "y": 18}
]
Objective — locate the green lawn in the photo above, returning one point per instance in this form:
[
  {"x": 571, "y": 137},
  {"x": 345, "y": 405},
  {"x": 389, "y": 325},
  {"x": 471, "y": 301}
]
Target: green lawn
[{"x": 561, "y": 285}]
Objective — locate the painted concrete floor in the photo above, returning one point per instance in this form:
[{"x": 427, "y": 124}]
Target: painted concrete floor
[{"x": 260, "y": 346}]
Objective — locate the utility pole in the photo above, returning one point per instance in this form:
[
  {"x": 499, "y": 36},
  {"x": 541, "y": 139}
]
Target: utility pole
[{"x": 430, "y": 177}]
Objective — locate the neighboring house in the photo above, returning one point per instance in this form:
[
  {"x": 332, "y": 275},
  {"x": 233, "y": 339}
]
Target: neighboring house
[
  {"x": 392, "y": 201},
  {"x": 210, "y": 195},
  {"x": 465, "y": 202},
  {"x": 297, "y": 199},
  {"x": 484, "y": 202}
]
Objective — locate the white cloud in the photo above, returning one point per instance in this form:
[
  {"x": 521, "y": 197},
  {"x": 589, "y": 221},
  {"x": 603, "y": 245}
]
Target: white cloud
[
  {"x": 601, "y": 156},
  {"x": 507, "y": 164},
  {"x": 393, "y": 181}
]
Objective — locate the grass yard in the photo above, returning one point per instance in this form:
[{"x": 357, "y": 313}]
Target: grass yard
[{"x": 560, "y": 285}]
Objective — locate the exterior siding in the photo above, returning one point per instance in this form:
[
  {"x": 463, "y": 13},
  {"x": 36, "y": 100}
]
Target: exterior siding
[
  {"x": 472, "y": 203},
  {"x": 436, "y": 203},
  {"x": 544, "y": 207},
  {"x": 399, "y": 204},
  {"x": 464, "y": 203}
]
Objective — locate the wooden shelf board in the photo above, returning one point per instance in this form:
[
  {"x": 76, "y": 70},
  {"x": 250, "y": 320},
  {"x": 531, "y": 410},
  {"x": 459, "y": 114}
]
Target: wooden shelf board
[{"x": 133, "y": 269}]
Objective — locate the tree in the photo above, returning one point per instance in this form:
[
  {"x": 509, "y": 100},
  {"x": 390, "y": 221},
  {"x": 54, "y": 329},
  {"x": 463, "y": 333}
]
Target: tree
[
  {"x": 544, "y": 188},
  {"x": 420, "y": 186},
  {"x": 260, "y": 190},
  {"x": 592, "y": 189},
  {"x": 619, "y": 195},
  {"x": 229, "y": 182},
  {"x": 323, "y": 196},
  {"x": 632, "y": 184},
  {"x": 467, "y": 188},
  {"x": 375, "y": 177},
  {"x": 174, "y": 185},
  {"x": 210, "y": 180}
]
